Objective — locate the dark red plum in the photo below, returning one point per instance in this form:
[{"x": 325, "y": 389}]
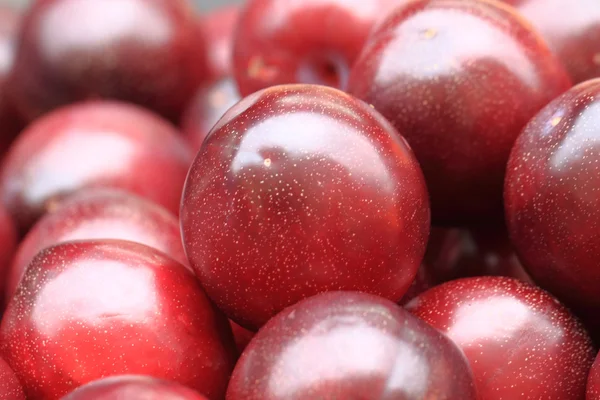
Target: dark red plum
[
  {"x": 311, "y": 41},
  {"x": 90, "y": 309},
  {"x": 459, "y": 80},
  {"x": 345, "y": 345},
  {"x": 520, "y": 341},
  {"x": 99, "y": 214},
  {"x": 94, "y": 144},
  {"x": 302, "y": 189},
  {"x": 146, "y": 52},
  {"x": 552, "y": 193}
]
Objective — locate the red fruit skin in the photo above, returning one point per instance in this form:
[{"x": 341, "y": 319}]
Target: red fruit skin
[
  {"x": 219, "y": 30},
  {"x": 145, "y": 52},
  {"x": 10, "y": 388},
  {"x": 519, "y": 340},
  {"x": 571, "y": 30},
  {"x": 423, "y": 281},
  {"x": 205, "y": 110},
  {"x": 241, "y": 335},
  {"x": 459, "y": 98},
  {"x": 95, "y": 144},
  {"x": 347, "y": 345},
  {"x": 91, "y": 309},
  {"x": 551, "y": 197},
  {"x": 593, "y": 383},
  {"x": 133, "y": 387},
  {"x": 99, "y": 214},
  {"x": 302, "y": 189},
  {"x": 9, "y": 240},
  {"x": 277, "y": 41},
  {"x": 461, "y": 253},
  {"x": 11, "y": 122}
]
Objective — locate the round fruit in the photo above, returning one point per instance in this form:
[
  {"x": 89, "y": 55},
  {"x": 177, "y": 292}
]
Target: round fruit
[
  {"x": 571, "y": 30},
  {"x": 141, "y": 51},
  {"x": 95, "y": 144},
  {"x": 520, "y": 341},
  {"x": 90, "y": 309},
  {"x": 301, "y": 189},
  {"x": 458, "y": 79},
  {"x": 345, "y": 345},
  {"x": 205, "y": 110},
  {"x": 99, "y": 214},
  {"x": 133, "y": 387},
  {"x": 552, "y": 194},
  {"x": 312, "y": 41}
]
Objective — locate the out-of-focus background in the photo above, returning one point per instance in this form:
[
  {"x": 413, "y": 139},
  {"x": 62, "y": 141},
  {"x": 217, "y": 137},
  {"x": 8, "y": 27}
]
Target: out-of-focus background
[{"x": 201, "y": 4}]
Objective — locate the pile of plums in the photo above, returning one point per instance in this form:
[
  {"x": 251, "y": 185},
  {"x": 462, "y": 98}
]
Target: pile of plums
[{"x": 300, "y": 200}]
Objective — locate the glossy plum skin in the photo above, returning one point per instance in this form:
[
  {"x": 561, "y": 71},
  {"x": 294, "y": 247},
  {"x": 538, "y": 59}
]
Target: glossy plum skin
[
  {"x": 593, "y": 383},
  {"x": 571, "y": 30},
  {"x": 219, "y": 30},
  {"x": 94, "y": 144},
  {"x": 551, "y": 197},
  {"x": 10, "y": 388},
  {"x": 8, "y": 240},
  {"x": 205, "y": 110},
  {"x": 61, "y": 330},
  {"x": 347, "y": 345},
  {"x": 133, "y": 387},
  {"x": 146, "y": 52},
  {"x": 276, "y": 41},
  {"x": 459, "y": 98},
  {"x": 99, "y": 214},
  {"x": 301, "y": 189},
  {"x": 462, "y": 253},
  {"x": 543, "y": 351},
  {"x": 11, "y": 122}
]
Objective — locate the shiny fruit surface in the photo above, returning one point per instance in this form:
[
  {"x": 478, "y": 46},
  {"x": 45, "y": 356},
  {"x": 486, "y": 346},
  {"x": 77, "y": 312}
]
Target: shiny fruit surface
[
  {"x": 459, "y": 80},
  {"x": 90, "y": 309},
  {"x": 94, "y": 144},
  {"x": 552, "y": 196},
  {"x": 9, "y": 240},
  {"x": 302, "y": 189},
  {"x": 347, "y": 345},
  {"x": 571, "y": 30},
  {"x": 99, "y": 214},
  {"x": 520, "y": 341},
  {"x": 133, "y": 387},
  {"x": 205, "y": 110},
  {"x": 307, "y": 41},
  {"x": 145, "y": 52},
  {"x": 219, "y": 31}
]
